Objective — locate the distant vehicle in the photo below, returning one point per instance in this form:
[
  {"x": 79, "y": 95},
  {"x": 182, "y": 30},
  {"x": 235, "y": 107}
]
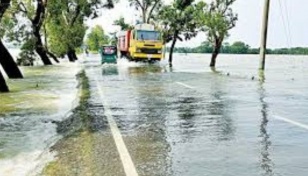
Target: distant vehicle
[
  {"x": 108, "y": 54},
  {"x": 143, "y": 43}
]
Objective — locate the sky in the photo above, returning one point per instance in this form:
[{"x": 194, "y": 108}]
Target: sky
[{"x": 288, "y": 23}]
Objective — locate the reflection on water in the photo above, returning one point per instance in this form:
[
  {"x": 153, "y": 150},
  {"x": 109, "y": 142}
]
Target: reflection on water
[
  {"x": 110, "y": 70},
  {"x": 146, "y": 122},
  {"x": 138, "y": 70},
  {"x": 187, "y": 112},
  {"x": 265, "y": 162},
  {"x": 187, "y": 108},
  {"x": 219, "y": 107}
]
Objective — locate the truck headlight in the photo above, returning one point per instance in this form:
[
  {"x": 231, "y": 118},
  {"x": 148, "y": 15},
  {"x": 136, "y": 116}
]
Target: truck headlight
[
  {"x": 159, "y": 51},
  {"x": 138, "y": 50}
]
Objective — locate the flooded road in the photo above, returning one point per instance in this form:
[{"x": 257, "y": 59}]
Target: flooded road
[
  {"x": 147, "y": 119},
  {"x": 193, "y": 121}
]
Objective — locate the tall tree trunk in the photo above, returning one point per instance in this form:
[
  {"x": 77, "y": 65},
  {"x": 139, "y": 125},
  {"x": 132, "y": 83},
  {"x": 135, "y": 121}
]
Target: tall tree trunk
[
  {"x": 40, "y": 50},
  {"x": 74, "y": 55},
  {"x": 6, "y": 60},
  {"x": 144, "y": 13},
  {"x": 37, "y": 23},
  {"x": 50, "y": 54},
  {"x": 8, "y": 63},
  {"x": 216, "y": 49},
  {"x": 4, "y": 4},
  {"x": 151, "y": 11},
  {"x": 3, "y": 86},
  {"x": 172, "y": 48},
  {"x": 71, "y": 55}
]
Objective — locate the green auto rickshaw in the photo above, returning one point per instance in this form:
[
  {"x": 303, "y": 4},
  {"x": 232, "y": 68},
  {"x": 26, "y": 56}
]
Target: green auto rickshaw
[{"x": 108, "y": 54}]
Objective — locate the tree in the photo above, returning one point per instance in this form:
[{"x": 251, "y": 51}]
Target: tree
[
  {"x": 216, "y": 22},
  {"x": 147, "y": 7},
  {"x": 239, "y": 48},
  {"x": 121, "y": 22},
  {"x": 96, "y": 38},
  {"x": 6, "y": 60},
  {"x": 30, "y": 16},
  {"x": 66, "y": 27},
  {"x": 178, "y": 20},
  {"x": 3, "y": 86}
]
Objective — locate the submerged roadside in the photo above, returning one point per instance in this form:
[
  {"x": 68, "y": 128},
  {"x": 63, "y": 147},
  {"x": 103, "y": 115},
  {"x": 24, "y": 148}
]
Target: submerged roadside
[
  {"x": 29, "y": 115},
  {"x": 87, "y": 147}
]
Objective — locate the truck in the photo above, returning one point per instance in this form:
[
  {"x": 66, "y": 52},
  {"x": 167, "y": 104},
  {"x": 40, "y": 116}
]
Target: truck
[{"x": 142, "y": 43}]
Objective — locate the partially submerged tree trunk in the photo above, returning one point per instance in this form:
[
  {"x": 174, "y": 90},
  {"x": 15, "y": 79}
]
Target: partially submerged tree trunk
[
  {"x": 71, "y": 54},
  {"x": 8, "y": 63},
  {"x": 41, "y": 51},
  {"x": 37, "y": 23},
  {"x": 216, "y": 50},
  {"x": 6, "y": 60},
  {"x": 74, "y": 55},
  {"x": 172, "y": 48},
  {"x": 3, "y": 86},
  {"x": 50, "y": 54}
]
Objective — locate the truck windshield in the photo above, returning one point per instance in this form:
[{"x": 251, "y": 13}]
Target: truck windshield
[{"x": 148, "y": 35}]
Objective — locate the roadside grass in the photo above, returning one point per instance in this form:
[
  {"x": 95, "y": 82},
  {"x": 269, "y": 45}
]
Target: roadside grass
[{"x": 73, "y": 128}]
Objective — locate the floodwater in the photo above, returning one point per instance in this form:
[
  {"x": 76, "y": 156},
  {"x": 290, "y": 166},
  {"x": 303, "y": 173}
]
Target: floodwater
[
  {"x": 190, "y": 120},
  {"x": 28, "y": 115}
]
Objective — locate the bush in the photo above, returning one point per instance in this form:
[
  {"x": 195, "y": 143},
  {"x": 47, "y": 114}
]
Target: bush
[{"x": 26, "y": 58}]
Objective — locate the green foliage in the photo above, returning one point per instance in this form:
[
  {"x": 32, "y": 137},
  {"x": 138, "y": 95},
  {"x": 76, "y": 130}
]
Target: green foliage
[
  {"x": 65, "y": 24},
  {"x": 239, "y": 47},
  {"x": 121, "y": 22},
  {"x": 179, "y": 19},
  {"x": 148, "y": 8},
  {"x": 27, "y": 55},
  {"x": 63, "y": 37},
  {"x": 7, "y": 23},
  {"x": 96, "y": 38},
  {"x": 16, "y": 22},
  {"x": 217, "y": 20}
]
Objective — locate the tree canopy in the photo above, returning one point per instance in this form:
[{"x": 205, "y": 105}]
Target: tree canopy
[
  {"x": 96, "y": 38},
  {"x": 147, "y": 8},
  {"x": 179, "y": 22},
  {"x": 121, "y": 22},
  {"x": 216, "y": 21}
]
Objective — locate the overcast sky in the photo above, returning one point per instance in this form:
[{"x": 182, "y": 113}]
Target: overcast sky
[{"x": 292, "y": 31}]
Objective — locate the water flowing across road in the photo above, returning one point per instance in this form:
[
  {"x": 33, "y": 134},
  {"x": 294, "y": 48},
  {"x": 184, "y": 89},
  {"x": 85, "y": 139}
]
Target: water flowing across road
[{"x": 188, "y": 120}]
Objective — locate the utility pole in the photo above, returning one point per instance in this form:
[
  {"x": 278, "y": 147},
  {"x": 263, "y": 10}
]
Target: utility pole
[{"x": 264, "y": 34}]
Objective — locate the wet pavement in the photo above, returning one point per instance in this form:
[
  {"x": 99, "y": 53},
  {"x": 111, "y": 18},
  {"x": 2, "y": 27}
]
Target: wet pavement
[
  {"x": 191, "y": 120},
  {"x": 195, "y": 121}
]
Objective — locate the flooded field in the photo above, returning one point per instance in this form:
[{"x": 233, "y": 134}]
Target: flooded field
[{"x": 188, "y": 120}]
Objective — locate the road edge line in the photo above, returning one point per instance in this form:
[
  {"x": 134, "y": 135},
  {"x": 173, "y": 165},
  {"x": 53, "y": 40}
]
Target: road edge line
[
  {"x": 185, "y": 85},
  {"x": 298, "y": 124},
  {"x": 127, "y": 162}
]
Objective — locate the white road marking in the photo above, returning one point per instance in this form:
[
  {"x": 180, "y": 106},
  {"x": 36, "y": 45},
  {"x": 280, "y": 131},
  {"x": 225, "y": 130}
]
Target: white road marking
[
  {"x": 127, "y": 162},
  {"x": 291, "y": 122},
  {"x": 185, "y": 85}
]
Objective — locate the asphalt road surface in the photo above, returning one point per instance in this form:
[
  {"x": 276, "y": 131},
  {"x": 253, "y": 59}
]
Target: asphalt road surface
[
  {"x": 194, "y": 121},
  {"x": 149, "y": 120}
]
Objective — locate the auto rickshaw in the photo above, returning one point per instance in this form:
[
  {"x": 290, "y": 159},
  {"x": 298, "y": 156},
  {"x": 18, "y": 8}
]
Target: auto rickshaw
[{"x": 108, "y": 54}]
